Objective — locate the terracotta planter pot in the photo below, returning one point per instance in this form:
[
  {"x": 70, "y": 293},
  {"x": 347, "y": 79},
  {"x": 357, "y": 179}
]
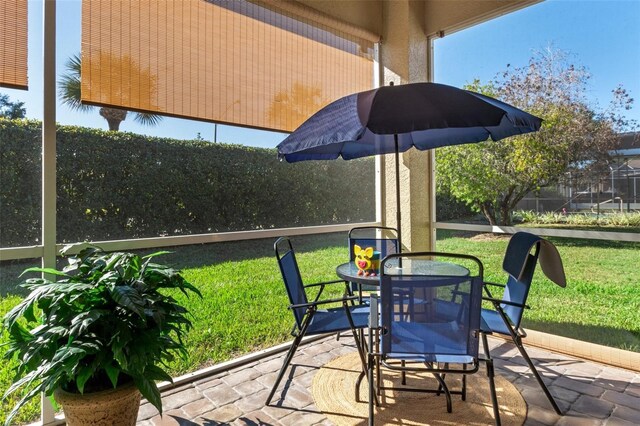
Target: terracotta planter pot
[{"x": 111, "y": 407}]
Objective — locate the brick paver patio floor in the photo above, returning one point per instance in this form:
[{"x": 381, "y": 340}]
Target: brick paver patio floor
[{"x": 589, "y": 393}]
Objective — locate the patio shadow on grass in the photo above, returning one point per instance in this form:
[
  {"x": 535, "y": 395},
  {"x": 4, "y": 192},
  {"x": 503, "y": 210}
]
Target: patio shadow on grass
[
  {"x": 196, "y": 256},
  {"x": 608, "y": 336},
  {"x": 184, "y": 257},
  {"x": 608, "y": 244}
]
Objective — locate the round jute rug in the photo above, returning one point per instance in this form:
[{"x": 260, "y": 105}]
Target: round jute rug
[{"x": 334, "y": 394}]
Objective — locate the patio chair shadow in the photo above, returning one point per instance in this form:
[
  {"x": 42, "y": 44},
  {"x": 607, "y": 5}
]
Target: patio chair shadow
[
  {"x": 247, "y": 422},
  {"x": 182, "y": 421},
  {"x": 601, "y": 335},
  {"x": 503, "y": 360},
  {"x": 200, "y": 255},
  {"x": 193, "y": 256},
  {"x": 281, "y": 396},
  {"x": 609, "y": 244}
]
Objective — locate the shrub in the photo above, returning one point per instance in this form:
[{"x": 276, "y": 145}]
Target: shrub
[
  {"x": 118, "y": 185},
  {"x": 621, "y": 220}
]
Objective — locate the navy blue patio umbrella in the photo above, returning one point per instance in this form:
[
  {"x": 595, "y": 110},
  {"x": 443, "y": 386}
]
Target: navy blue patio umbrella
[{"x": 392, "y": 119}]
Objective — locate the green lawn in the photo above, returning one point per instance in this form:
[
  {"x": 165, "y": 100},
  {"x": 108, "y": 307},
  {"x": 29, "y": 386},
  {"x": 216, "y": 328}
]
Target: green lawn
[
  {"x": 244, "y": 303},
  {"x": 30, "y": 412},
  {"x": 601, "y": 303}
]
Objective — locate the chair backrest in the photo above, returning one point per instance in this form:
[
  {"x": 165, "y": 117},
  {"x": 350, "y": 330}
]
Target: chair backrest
[
  {"x": 420, "y": 317},
  {"x": 291, "y": 276},
  {"x": 518, "y": 257},
  {"x": 381, "y": 238}
]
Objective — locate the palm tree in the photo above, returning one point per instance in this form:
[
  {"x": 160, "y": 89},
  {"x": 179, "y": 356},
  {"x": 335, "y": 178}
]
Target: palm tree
[
  {"x": 70, "y": 95},
  {"x": 289, "y": 109}
]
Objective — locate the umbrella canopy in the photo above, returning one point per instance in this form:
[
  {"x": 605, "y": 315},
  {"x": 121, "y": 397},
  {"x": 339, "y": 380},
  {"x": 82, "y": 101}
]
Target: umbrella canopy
[
  {"x": 395, "y": 118},
  {"x": 424, "y": 115}
]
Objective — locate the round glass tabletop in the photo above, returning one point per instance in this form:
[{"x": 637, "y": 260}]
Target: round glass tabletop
[{"x": 349, "y": 271}]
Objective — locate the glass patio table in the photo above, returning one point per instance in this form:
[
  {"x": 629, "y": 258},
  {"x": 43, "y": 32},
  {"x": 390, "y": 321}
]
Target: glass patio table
[{"x": 349, "y": 271}]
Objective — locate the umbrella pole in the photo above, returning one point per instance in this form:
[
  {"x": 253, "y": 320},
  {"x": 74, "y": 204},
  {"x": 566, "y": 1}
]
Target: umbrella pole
[{"x": 398, "y": 215}]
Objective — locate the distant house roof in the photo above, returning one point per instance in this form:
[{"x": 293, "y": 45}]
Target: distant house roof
[{"x": 629, "y": 145}]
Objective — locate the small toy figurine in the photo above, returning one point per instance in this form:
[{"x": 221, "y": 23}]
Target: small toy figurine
[{"x": 367, "y": 260}]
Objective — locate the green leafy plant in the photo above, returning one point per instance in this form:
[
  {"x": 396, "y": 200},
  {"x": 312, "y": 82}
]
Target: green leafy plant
[
  {"x": 614, "y": 219},
  {"x": 107, "y": 321}
]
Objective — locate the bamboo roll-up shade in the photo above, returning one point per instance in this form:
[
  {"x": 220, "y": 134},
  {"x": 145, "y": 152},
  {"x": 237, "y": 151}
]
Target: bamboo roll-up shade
[
  {"x": 234, "y": 62},
  {"x": 13, "y": 43}
]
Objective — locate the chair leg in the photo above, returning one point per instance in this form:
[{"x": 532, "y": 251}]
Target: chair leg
[
  {"x": 378, "y": 379},
  {"x": 363, "y": 352},
  {"x": 464, "y": 384},
  {"x": 492, "y": 388},
  {"x": 378, "y": 371},
  {"x": 444, "y": 377},
  {"x": 485, "y": 345},
  {"x": 372, "y": 393},
  {"x": 518, "y": 341},
  {"x": 365, "y": 368},
  {"x": 362, "y": 375},
  {"x": 445, "y": 388},
  {"x": 358, "y": 337},
  {"x": 289, "y": 357},
  {"x": 347, "y": 292},
  {"x": 359, "y": 346},
  {"x": 370, "y": 365},
  {"x": 285, "y": 364},
  {"x": 490, "y": 373}
]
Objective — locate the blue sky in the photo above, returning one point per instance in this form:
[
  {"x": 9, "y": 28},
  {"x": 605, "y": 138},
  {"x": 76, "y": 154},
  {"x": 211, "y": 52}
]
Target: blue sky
[{"x": 603, "y": 35}]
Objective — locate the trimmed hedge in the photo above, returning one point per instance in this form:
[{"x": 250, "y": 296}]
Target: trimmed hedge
[
  {"x": 117, "y": 185},
  {"x": 20, "y": 183}
]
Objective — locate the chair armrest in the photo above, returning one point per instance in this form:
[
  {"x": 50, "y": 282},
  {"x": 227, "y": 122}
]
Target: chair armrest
[
  {"x": 323, "y": 302},
  {"x": 506, "y": 302},
  {"x": 323, "y": 283},
  {"x": 486, "y": 284}
]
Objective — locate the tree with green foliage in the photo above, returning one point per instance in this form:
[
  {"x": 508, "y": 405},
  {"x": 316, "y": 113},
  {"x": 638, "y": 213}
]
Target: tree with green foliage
[
  {"x": 70, "y": 89},
  {"x": 492, "y": 177},
  {"x": 11, "y": 110}
]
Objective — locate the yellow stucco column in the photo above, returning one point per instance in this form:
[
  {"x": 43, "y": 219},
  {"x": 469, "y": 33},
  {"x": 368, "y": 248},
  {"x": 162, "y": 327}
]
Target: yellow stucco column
[{"x": 404, "y": 58}]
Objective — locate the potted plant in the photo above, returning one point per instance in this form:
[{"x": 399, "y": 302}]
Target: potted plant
[{"x": 105, "y": 329}]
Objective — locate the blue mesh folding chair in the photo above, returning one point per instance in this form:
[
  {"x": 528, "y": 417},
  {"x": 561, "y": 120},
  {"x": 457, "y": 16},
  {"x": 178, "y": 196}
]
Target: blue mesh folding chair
[
  {"x": 309, "y": 318},
  {"x": 440, "y": 337},
  {"x": 383, "y": 239},
  {"x": 520, "y": 263}
]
